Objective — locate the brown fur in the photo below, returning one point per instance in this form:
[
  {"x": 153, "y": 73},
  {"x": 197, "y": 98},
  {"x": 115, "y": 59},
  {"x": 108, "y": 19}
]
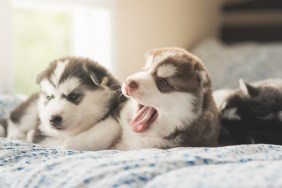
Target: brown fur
[
  {"x": 204, "y": 130},
  {"x": 170, "y": 73}
]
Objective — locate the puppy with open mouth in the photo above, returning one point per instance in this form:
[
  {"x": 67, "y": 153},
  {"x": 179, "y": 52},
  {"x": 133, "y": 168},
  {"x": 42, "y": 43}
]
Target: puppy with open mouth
[
  {"x": 76, "y": 107},
  {"x": 171, "y": 103}
]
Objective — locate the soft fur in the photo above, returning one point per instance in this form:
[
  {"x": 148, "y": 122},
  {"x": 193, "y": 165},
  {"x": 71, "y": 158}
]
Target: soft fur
[
  {"x": 23, "y": 118},
  {"x": 175, "y": 93},
  {"x": 76, "y": 107},
  {"x": 253, "y": 113}
]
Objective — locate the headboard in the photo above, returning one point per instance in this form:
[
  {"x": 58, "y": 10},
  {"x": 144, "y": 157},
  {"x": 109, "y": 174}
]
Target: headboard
[{"x": 251, "y": 20}]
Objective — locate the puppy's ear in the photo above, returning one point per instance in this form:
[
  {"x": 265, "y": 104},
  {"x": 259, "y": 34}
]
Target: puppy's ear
[
  {"x": 104, "y": 81},
  {"x": 90, "y": 71},
  {"x": 247, "y": 89},
  {"x": 94, "y": 78},
  {"x": 203, "y": 77},
  {"x": 39, "y": 77},
  {"x": 98, "y": 79}
]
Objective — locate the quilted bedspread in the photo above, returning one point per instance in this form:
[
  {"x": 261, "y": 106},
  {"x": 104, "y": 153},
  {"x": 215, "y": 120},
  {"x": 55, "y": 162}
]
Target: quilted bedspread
[{"x": 26, "y": 165}]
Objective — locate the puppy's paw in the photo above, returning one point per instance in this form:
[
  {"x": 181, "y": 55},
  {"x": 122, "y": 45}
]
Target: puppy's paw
[
  {"x": 30, "y": 135},
  {"x": 17, "y": 136},
  {"x": 71, "y": 143}
]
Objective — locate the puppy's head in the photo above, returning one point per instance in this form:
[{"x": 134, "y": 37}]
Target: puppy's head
[
  {"x": 251, "y": 102},
  {"x": 172, "y": 79},
  {"x": 74, "y": 92}
]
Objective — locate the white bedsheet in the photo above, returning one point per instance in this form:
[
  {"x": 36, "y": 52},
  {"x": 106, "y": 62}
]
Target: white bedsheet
[{"x": 26, "y": 165}]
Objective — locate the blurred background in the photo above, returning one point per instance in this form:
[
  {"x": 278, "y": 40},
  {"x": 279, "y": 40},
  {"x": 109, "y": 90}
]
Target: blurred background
[{"x": 235, "y": 38}]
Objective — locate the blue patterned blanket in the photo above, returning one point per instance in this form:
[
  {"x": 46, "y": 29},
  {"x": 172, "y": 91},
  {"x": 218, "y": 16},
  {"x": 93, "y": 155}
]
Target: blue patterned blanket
[{"x": 26, "y": 165}]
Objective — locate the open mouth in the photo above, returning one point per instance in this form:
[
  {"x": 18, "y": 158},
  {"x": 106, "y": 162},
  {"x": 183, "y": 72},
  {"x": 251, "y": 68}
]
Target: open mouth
[{"x": 144, "y": 117}]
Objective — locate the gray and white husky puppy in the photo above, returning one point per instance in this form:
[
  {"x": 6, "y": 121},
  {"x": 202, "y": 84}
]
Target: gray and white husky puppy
[
  {"x": 252, "y": 113},
  {"x": 258, "y": 100},
  {"x": 76, "y": 107},
  {"x": 171, "y": 103}
]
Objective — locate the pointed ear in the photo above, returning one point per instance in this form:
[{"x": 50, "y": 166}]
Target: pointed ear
[
  {"x": 88, "y": 69},
  {"x": 94, "y": 78},
  {"x": 203, "y": 77},
  {"x": 247, "y": 89},
  {"x": 94, "y": 75},
  {"x": 104, "y": 81},
  {"x": 39, "y": 77}
]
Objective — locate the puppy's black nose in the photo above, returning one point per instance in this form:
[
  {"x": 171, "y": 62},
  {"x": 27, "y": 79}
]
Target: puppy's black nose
[{"x": 56, "y": 120}]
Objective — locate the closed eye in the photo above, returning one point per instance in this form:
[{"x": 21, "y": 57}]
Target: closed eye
[{"x": 49, "y": 97}]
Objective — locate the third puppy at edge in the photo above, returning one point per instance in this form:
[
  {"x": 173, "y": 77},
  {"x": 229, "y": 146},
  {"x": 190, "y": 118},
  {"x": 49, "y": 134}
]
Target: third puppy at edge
[{"x": 170, "y": 105}]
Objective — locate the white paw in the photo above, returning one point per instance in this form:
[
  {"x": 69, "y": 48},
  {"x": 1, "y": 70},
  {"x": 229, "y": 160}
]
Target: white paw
[
  {"x": 71, "y": 143},
  {"x": 17, "y": 136},
  {"x": 30, "y": 135}
]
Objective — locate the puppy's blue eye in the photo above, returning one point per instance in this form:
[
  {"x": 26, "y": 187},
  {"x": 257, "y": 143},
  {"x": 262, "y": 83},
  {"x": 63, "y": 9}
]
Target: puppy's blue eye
[
  {"x": 163, "y": 82},
  {"x": 73, "y": 96}
]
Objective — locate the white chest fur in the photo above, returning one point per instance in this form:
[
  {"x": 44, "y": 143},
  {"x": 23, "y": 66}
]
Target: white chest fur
[{"x": 164, "y": 125}]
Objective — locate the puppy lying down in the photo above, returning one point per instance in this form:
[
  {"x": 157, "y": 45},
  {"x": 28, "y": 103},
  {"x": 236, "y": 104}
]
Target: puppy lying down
[
  {"x": 170, "y": 103},
  {"x": 252, "y": 113},
  {"x": 76, "y": 107},
  {"x": 79, "y": 107}
]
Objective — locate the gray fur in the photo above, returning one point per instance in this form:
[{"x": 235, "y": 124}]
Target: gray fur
[{"x": 257, "y": 108}]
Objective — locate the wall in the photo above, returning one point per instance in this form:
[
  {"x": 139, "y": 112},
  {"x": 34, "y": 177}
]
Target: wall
[
  {"x": 6, "y": 79},
  {"x": 143, "y": 24},
  {"x": 137, "y": 25}
]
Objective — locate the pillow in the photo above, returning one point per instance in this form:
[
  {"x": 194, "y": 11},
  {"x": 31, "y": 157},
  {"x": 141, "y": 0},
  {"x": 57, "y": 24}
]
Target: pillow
[{"x": 249, "y": 61}]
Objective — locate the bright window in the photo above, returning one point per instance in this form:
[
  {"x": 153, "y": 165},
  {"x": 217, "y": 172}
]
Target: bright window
[
  {"x": 38, "y": 37},
  {"x": 42, "y": 32}
]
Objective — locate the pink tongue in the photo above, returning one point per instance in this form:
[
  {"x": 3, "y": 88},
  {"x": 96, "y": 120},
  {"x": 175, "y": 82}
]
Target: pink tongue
[{"x": 141, "y": 120}]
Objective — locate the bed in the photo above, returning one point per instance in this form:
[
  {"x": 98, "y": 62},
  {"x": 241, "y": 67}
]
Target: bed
[{"x": 23, "y": 164}]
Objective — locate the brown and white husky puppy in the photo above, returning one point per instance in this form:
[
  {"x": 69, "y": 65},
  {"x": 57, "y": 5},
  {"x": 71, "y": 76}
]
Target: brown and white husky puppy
[
  {"x": 76, "y": 107},
  {"x": 171, "y": 103}
]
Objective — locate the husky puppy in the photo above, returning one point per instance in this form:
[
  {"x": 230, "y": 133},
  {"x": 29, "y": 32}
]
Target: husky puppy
[
  {"x": 171, "y": 103},
  {"x": 253, "y": 113},
  {"x": 76, "y": 107}
]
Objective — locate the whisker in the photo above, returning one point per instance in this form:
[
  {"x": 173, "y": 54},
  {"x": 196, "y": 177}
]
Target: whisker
[
  {"x": 69, "y": 120},
  {"x": 119, "y": 95}
]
